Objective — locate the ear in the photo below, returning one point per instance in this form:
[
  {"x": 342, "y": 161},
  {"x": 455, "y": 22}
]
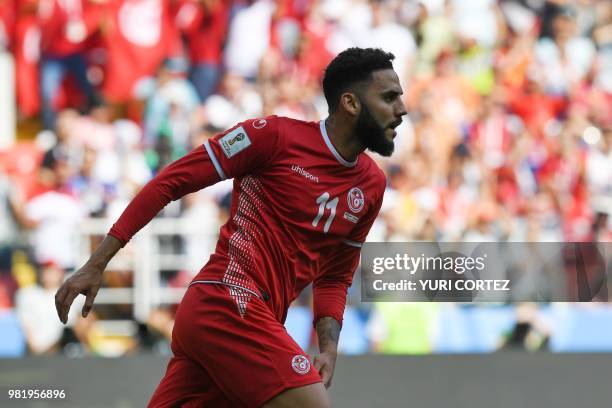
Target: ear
[{"x": 351, "y": 103}]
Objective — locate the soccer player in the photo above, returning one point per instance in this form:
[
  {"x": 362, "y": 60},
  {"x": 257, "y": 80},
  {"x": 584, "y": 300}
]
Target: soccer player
[{"x": 305, "y": 196}]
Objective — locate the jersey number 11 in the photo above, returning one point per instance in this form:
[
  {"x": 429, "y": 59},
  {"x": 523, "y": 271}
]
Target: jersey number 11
[{"x": 325, "y": 203}]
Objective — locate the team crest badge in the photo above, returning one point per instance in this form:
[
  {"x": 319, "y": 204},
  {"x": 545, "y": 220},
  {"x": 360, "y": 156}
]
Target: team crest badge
[
  {"x": 259, "y": 123},
  {"x": 355, "y": 199},
  {"x": 300, "y": 364}
]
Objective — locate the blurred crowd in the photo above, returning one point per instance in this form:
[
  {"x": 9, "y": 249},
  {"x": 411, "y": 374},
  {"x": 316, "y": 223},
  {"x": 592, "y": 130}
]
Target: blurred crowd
[{"x": 508, "y": 137}]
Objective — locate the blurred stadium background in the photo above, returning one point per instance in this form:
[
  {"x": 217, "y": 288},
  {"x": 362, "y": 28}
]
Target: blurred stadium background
[{"x": 509, "y": 138}]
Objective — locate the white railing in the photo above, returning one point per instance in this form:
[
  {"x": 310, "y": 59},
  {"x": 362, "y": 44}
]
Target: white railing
[{"x": 142, "y": 258}]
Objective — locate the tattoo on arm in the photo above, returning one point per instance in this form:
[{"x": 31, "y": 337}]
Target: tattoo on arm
[{"x": 328, "y": 332}]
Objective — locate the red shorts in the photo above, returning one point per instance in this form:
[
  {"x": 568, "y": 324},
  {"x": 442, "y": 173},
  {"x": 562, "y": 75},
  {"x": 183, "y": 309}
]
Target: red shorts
[{"x": 223, "y": 358}]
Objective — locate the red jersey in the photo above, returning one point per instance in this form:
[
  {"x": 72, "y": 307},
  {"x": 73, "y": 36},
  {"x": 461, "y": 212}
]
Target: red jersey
[
  {"x": 300, "y": 212},
  {"x": 66, "y": 25},
  {"x": 205, "y": 29}
]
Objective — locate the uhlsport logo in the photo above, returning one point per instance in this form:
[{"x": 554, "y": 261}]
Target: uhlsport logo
[
  {"x": 355, "y": 199},
  {"x": 259, "y": 123},
  {"x": 300, "y": 364},
  {"x": 305, "y": 173}
]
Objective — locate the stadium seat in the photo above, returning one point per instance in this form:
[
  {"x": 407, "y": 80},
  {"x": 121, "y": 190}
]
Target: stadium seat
[
  {"x": 12, "y": 340},
  {"x": 21, "y": 162},
  {"x": 581, "y": 329},
  {"x": 353, "y": 339},
  {"x": 22, "y": 159},
  {"x": 473, "y": 329},
  {"x": 299, "y": 325}
]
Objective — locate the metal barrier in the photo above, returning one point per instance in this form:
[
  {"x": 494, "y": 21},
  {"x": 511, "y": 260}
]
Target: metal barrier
[{"x": 142, "y": 258}]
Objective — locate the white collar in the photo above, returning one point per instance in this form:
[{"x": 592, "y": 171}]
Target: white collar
[{"x": 332, "y": 149}]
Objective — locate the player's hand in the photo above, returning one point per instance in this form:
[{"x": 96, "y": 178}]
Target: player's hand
[
  {"x": 85, "y": 281},
  {"x": 325, "y": 364}
]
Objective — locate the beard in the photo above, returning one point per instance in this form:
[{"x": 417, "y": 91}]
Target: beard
[{"x": 371, "y": 134}]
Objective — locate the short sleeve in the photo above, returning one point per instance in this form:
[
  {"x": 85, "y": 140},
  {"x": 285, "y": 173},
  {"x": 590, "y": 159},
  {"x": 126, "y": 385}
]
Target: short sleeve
[{"x": 248, "y": 147}]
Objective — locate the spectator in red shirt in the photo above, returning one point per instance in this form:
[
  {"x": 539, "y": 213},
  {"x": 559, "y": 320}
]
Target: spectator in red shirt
[
  {"x": 535, "y": 107},
  {"x": 65, "y": 28},
  {"x": 204, "y": 23},
  {"x": 26, "y": 50}
]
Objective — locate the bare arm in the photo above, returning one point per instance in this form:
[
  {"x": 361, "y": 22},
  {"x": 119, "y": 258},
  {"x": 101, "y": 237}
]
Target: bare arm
[
  {"x": 328, "y": 333},
  {"x": 87, "y": 280},
  {"x": 105, "y": 252}
]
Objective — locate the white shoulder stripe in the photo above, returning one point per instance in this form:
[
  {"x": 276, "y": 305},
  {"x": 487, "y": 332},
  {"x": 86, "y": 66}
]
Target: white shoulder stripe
[
  {"x": 214, "y": 160},
  {"x": 352, "y": 243}
]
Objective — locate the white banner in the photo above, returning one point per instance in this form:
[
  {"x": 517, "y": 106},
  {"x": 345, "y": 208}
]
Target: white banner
[{"x": 7, "y": 100}]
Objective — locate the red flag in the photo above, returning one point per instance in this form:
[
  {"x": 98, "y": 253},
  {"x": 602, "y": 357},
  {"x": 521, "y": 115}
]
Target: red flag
[
  {"x": 27, "y": 57},
  {"x": 138, "y": 36}
]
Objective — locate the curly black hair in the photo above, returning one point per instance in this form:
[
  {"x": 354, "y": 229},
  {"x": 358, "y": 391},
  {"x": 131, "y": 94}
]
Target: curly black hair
[{"x": 350, "y": 67}]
